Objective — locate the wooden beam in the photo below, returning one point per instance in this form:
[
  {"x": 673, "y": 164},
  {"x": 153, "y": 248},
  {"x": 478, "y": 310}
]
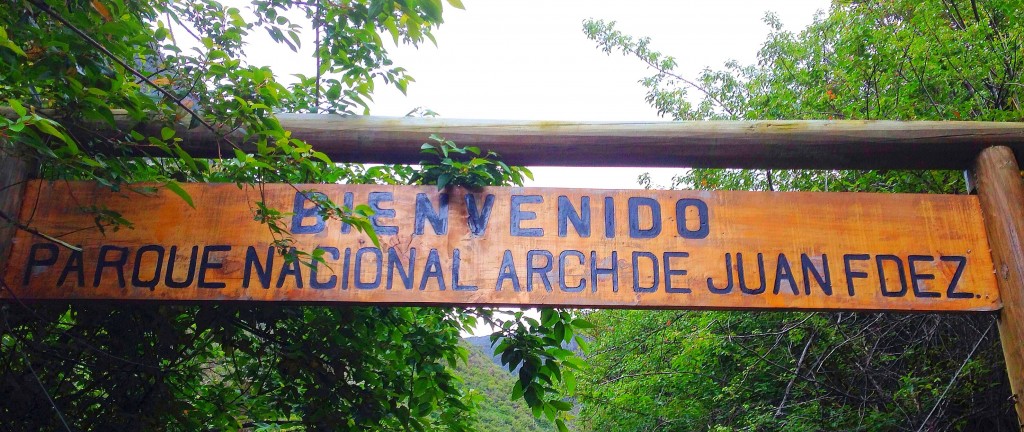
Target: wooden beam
[
  {"x": 713, "y": 144},
  {"x": 13, "y": 173},
  {"x": 1001, "y": 193}
]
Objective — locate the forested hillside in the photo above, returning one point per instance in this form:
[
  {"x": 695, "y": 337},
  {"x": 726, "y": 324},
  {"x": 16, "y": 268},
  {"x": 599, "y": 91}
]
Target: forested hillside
[{"x": 496, "y": 412}]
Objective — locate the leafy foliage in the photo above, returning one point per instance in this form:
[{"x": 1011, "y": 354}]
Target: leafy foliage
[
  {"x": 71, "y": 69},
  {"x": 496, "y": 412},
  {"x": 451, "y": 165},
  {"x": 901, "y": 60},
  {"x": 535, "y": 349},
  {"x": 897, "y": 60},
  {"x": 790, "y": 371},
  {"x": 221, "y": 367}
]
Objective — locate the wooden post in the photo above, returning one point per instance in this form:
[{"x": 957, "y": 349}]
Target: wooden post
[
  {"x": 13, "y": 173},
  {"x": 1001, "y": 194}
]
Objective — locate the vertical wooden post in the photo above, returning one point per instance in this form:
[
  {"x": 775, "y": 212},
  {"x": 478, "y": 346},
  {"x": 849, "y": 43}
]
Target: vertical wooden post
[
  {"x": 13, "y": 173},
  {"x": 1001, "y": 193}
]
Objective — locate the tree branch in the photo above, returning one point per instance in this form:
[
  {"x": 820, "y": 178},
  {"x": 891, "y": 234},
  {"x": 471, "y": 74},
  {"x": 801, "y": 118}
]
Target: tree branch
[
  {"x": 88, "y": 39},
  {"x": 955, "y": 376},
  {"x": 796, "y": 373},
  {"x": 17, "y": 224}
]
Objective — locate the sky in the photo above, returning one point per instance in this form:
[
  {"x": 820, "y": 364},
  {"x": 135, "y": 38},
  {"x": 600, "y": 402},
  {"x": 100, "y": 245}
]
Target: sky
[{"x": 530, "y": 60}]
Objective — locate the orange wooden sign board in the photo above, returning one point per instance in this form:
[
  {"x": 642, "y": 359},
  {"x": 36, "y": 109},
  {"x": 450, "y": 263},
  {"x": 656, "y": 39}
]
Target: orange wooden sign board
[{"x": 516, "y": 246}]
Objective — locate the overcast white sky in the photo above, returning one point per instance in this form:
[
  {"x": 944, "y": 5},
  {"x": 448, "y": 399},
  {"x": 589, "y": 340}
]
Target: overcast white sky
[{"x": 529, "y": 60}]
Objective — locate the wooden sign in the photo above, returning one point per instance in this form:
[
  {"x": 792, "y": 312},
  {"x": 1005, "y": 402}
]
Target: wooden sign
[{"x": 516, "y": 246}]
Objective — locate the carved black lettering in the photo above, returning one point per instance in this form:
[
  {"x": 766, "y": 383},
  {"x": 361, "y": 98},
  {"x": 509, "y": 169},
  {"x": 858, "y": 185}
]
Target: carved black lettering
[
  {"x": 961, "y": 264},
  {"x": 34, "y": 260},
  {"x": 104, "y": 261}
]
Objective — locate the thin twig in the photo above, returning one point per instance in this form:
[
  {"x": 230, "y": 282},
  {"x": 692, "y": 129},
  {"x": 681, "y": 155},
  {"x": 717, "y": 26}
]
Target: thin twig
[
  {"x": 37, "y": 233},
  {"x": 796, "y": 373},
  {"x": 85, "y": 36},
  {"x": 80, "y": 340},
  {"x": 39, "y": 381},
  {"x": 18, "y": 183},
  {"x": 955, "y": 376}
]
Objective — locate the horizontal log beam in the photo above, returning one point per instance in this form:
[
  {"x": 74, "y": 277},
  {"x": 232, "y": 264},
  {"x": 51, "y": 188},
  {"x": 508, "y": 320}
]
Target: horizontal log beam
[{"x": 809, "y": 144}]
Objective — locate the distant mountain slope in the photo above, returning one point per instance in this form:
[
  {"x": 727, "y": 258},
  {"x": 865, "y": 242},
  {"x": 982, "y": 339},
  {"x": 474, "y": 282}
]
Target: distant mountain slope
[
  {"x": 497, "y": 413},
  {"x": 483, "y": 344}
]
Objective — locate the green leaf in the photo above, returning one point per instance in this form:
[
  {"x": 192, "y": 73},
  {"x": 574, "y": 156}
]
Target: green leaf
[
  {"x": 548, "y": 317},
  {"x": 364, "y": 210},
  {"x": 583, "y": 344},
  {"x": 236, "y": 17},
  {"x": 322, "y": 156},
  {"x": 423, "y": 409},
  {"x": 581, "y": 323},
  {"x": 517, "y": 391},
  {"x": 372, "y": 234},
  {"x": 44, "y": 126},
  {"x": 561, "y": 405},
  {"x": 561, "y": 425},
  {"x": 559, "y": 332},
  {"x": 91, "y": 162},
  {"x": 560, "y": 353},
  {"x": 443, "y": 180},
  {"x": 389, "y": 24},
  {"x": 457, "y": 4},
  {"x": 569, "y": 378},
  {"x": 175, "y": 187},
  {"x": 5, "y": 42},
  {"x": 549, "y": 411},
  {"x": 420, "y": 386},
  {"x": 376, "y": 8},
  {"x": 17, "y": 107}
]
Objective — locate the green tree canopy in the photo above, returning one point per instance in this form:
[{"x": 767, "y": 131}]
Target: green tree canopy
[
  {"x": 74, "y": 66},
  {"x": 899, "y": 60}
]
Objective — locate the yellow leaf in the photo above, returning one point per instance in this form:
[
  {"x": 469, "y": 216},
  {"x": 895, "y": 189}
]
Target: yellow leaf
[{"x": 102, "y": 9}]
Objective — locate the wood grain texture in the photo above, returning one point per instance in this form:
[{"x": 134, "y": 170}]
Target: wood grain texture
[
  {"x": 514, "y": 252},
  {"x": 804, "y": 144},
  {"x": 13, "y": 173},
  {"x": 1001, "y": 194}
]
